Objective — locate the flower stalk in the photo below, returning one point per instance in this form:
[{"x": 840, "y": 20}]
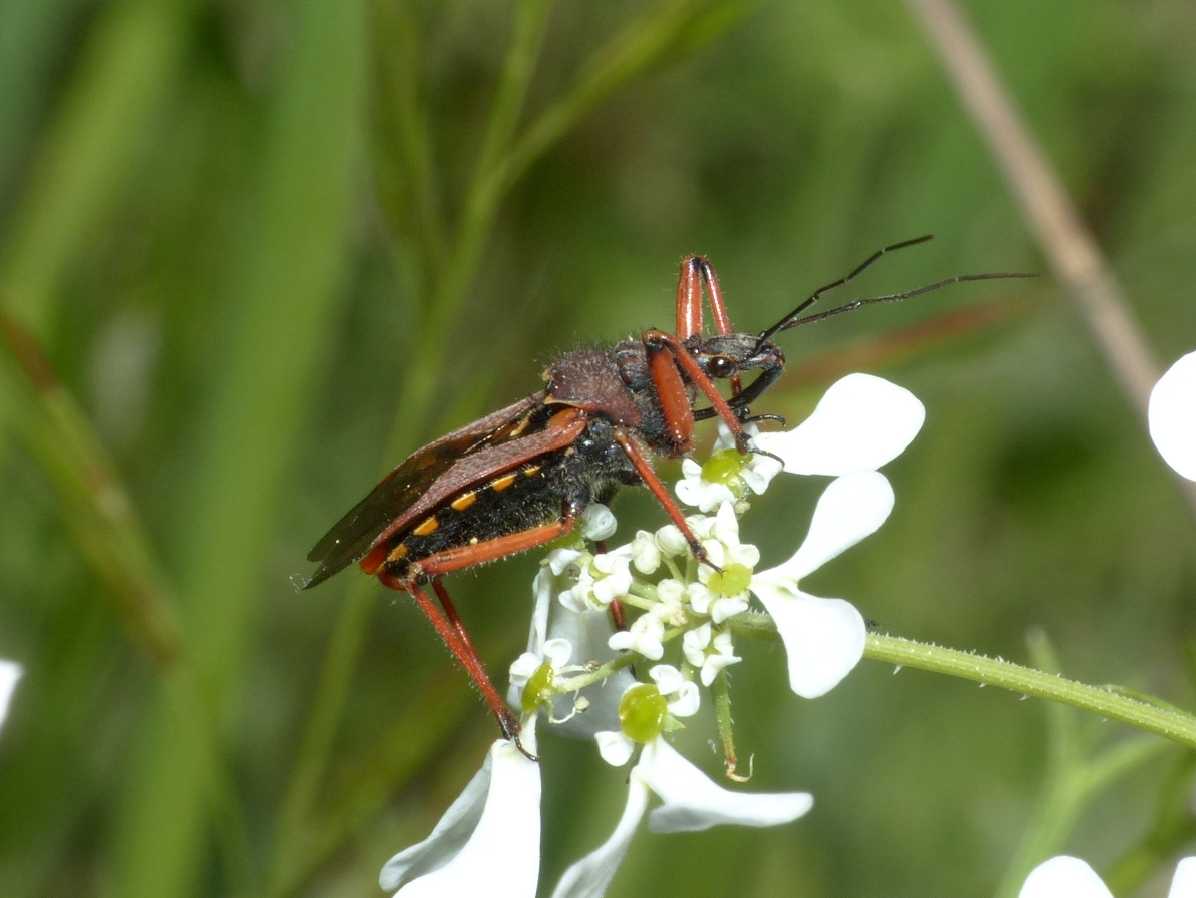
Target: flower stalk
[{"x": 1138, "y": 711}]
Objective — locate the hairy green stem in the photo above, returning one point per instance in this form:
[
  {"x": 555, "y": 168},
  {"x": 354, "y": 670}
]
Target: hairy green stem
[{"x": 1163, "y": 720}]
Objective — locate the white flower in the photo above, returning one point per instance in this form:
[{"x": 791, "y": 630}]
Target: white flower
[
  {"x": 709, "y": 654},
  {"x": 493, "y": 825},
  {"x": 722, "y": 598},
  {"x": 732, "y": 475},
  {"x": 824, "y": 638},
  {"x": 690, "y": 802},
  {"x": 554, "y": 652},
  {"x": 645, "y": 636},
  {"x": 861, "y": 423},
  {"x": 1172, "y": 416},
  {"x": 10, "y": 672},
  {"x": 693, "y": 489},
  {"x": 616, "y": 746},
  {"x": 1070, "y": 877},
  {"x": 600, "y": 580}
]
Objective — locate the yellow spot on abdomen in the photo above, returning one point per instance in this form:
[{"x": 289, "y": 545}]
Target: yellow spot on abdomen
[
  {"x": 503, "y": 483},
  {"x": 530, "y": 471},
  {"x": 398, "y": 553},
  {"x": 428, "y": 526},
  {"x": 463, "y": 502}
]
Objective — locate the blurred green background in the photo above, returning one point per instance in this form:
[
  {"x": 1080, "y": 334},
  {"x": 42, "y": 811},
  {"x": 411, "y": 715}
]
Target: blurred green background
[{"x": 269, "y": 248}]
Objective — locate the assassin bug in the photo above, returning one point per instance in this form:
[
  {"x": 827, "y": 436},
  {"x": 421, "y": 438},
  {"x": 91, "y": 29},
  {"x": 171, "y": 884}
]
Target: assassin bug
[{"x": 521, "y": 476}]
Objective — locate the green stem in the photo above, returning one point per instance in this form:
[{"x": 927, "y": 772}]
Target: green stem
[
  {"x": 604, "y": 671},
  {"x": 1165, "y": 721}
]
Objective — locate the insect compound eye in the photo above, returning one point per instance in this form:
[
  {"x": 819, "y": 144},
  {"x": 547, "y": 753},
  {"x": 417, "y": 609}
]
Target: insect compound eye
[{"x": 721, "y": 366}]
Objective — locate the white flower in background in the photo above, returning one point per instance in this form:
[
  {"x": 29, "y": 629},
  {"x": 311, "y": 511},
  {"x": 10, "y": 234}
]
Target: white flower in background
[
  {"x": 10, "y": 672},
  {"x": 709, "y": 654},
  {"x": 824, "y": 638},
  {"x": 690, "y": 802},
  {"x": 644, "y": 713},
  {"x": 1172, "y": 416},
  {"x": 1070, "y": 877},
  {"x": 487, "y": 842}
]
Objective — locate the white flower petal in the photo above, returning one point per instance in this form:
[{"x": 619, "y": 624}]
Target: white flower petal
[
  {"x": 860, "y": 424},
  {"x": 725, "y": 609},
  {"x": 614, "y": 746},
  {"x": 824, "y": 638},
  {"x": 559, "y": 559},
  {"x": 557, "y": 652},
  {"x": 726, "y": 525},
  {"x": 671, "y": 542},
  {"x": 686, "y": 700},
  {"x": 644, "y": 637},
  {"x": 694, "y": 644},
  {"x": 591, "y": 876},
  {"x": 597, "y": 522},
  {"x": 693, "y": 802},
  {"x": 10, "y": 672},
  {"x": 1172, "y": 416},
  {"x": 1064, "y": 877},
  {"x": 714, "y": 665},
  {"x": 702, "y": 494},
  {"x": 1184, "y": 883},
  {"x": 645, "y": 554},
  {"x": 522, "y": 668},
  {"x": 668, "y": 678},
  {"x": 700, "y": 598},
  {"x": 850, "y": 509},
  {"x": 494, "y": 824}
]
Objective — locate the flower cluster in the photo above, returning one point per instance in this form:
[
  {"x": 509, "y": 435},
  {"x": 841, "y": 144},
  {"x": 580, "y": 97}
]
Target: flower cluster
[{"x": 629, "y": 688}]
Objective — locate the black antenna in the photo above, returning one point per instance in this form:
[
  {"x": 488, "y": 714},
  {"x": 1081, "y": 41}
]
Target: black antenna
[
  {"x": 789, "y": 320},
  {"x": 897, "y": 297}
]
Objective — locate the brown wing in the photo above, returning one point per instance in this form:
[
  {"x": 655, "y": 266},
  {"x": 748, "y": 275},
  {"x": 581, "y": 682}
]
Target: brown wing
[{"x": 351, "y": 537}]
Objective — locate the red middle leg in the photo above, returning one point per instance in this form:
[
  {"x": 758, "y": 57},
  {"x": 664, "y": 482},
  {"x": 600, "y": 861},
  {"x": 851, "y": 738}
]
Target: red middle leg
[{"x": 652, "y": 481}]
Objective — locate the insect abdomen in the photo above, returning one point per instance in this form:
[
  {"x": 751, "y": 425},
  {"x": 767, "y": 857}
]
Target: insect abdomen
[{"x": 517, "y": 500}]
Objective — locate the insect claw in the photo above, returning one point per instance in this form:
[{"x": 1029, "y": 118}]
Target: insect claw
[
  {"x": 703, "y": 558},
  {"x": 509, "y": 724},
  {"x": 756, "y": 419},
  {"x": 775, "y": 458},
  {"x": 535, "y": 759}
]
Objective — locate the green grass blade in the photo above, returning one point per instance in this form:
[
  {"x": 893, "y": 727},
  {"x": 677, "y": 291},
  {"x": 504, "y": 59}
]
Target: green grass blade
[{"x": 292, "y": 249}]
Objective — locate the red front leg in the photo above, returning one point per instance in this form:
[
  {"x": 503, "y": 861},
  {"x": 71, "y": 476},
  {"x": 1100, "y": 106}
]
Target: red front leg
[
  {"x": 696, "y": 271},
  {"x": 660, "y": 346}
]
